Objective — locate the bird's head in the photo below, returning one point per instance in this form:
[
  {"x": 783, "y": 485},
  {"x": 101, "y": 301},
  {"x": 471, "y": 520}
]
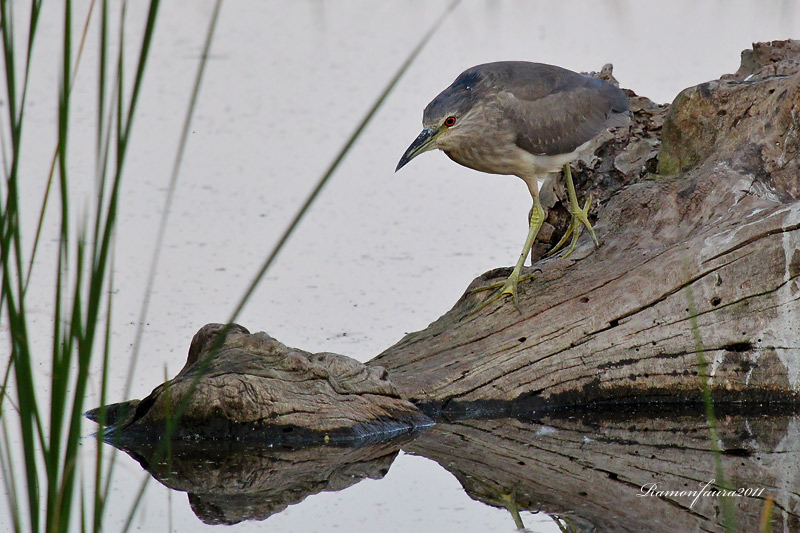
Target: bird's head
[{"x": 449, "y": 118}]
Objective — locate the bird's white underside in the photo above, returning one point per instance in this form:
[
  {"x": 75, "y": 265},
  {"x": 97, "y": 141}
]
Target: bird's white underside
[{"x": 536, "y": 169}]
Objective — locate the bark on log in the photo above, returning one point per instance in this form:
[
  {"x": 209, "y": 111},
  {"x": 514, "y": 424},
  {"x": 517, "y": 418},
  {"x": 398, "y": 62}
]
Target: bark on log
[{"x": 242, "y": 386}]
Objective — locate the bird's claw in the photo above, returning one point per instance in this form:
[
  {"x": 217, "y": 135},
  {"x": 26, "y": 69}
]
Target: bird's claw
[
  {"x": 499, "y": 284},
  {"x": 580, "y": 218},
  {"x": 505, "y": 288}
]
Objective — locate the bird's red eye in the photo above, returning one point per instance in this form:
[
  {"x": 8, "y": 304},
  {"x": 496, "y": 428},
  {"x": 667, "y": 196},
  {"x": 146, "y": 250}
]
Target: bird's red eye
[{"x": 450, "y": 121}]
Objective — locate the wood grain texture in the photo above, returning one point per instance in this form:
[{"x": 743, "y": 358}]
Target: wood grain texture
[{"x": 242, "y": 386}]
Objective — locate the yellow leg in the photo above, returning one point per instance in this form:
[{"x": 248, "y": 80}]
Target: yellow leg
[
  {"x": 580, "y": 218},
  {"x": 509, "y": 287},
  {"x": 510, "y": 501}
]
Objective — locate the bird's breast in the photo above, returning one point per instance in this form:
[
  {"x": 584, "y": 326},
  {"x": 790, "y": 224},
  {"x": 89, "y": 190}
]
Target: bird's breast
[
  {"x": 505, "y": 158},
  {"x": 487, "y": 157}
]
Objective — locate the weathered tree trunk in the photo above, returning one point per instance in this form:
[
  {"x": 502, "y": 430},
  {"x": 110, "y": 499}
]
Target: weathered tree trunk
[
  {"x": 242, "y": 386},
  {"x": 704, "y": 254}
]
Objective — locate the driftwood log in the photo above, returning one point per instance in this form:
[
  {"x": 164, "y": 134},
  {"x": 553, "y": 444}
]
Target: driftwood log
[
  {"x": 241, "y": 386},
  {"x": 698, "y": 213}
]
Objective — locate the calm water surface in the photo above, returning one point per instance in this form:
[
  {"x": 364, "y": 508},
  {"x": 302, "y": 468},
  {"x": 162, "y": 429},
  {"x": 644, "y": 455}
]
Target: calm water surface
[{"x": 379, "y": 254}]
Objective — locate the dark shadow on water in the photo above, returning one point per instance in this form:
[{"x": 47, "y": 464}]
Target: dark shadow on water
[{"x": 591, "y": 470}]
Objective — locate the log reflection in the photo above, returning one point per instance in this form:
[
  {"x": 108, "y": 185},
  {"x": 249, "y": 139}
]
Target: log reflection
[
  {"x": 586, "y": 470},
  {"x": 228, "y": 483}
]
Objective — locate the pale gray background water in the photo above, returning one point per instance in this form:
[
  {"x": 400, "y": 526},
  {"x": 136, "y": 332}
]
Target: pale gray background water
[{"x": 380, "y": 254}]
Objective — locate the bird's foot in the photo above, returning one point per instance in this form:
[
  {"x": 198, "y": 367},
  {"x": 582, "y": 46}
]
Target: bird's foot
[
  {"x": 580, "y": 218},
  {"x": 504, "y": 288},
  {"x": 499, "y": 284}
]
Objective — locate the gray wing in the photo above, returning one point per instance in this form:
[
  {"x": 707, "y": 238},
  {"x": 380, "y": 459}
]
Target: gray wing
[{"x": 555, "y": 110}]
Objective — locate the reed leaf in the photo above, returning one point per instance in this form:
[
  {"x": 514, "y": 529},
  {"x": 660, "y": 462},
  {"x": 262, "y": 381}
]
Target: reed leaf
[{"x": 51, "y": 432}]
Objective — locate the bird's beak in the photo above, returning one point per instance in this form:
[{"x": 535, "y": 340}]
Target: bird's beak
[{"x": 421, "y": 144}]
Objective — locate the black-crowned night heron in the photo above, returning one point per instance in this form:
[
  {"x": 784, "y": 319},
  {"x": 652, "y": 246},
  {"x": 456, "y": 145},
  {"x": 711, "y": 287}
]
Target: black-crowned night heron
[{"x": 525, "y": 119}]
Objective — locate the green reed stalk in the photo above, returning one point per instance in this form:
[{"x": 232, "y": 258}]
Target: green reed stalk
[
  {"x": 728, "y": 510},
  {"x": 51, "y": 432},
  {"x": 11, "y": 257}
]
